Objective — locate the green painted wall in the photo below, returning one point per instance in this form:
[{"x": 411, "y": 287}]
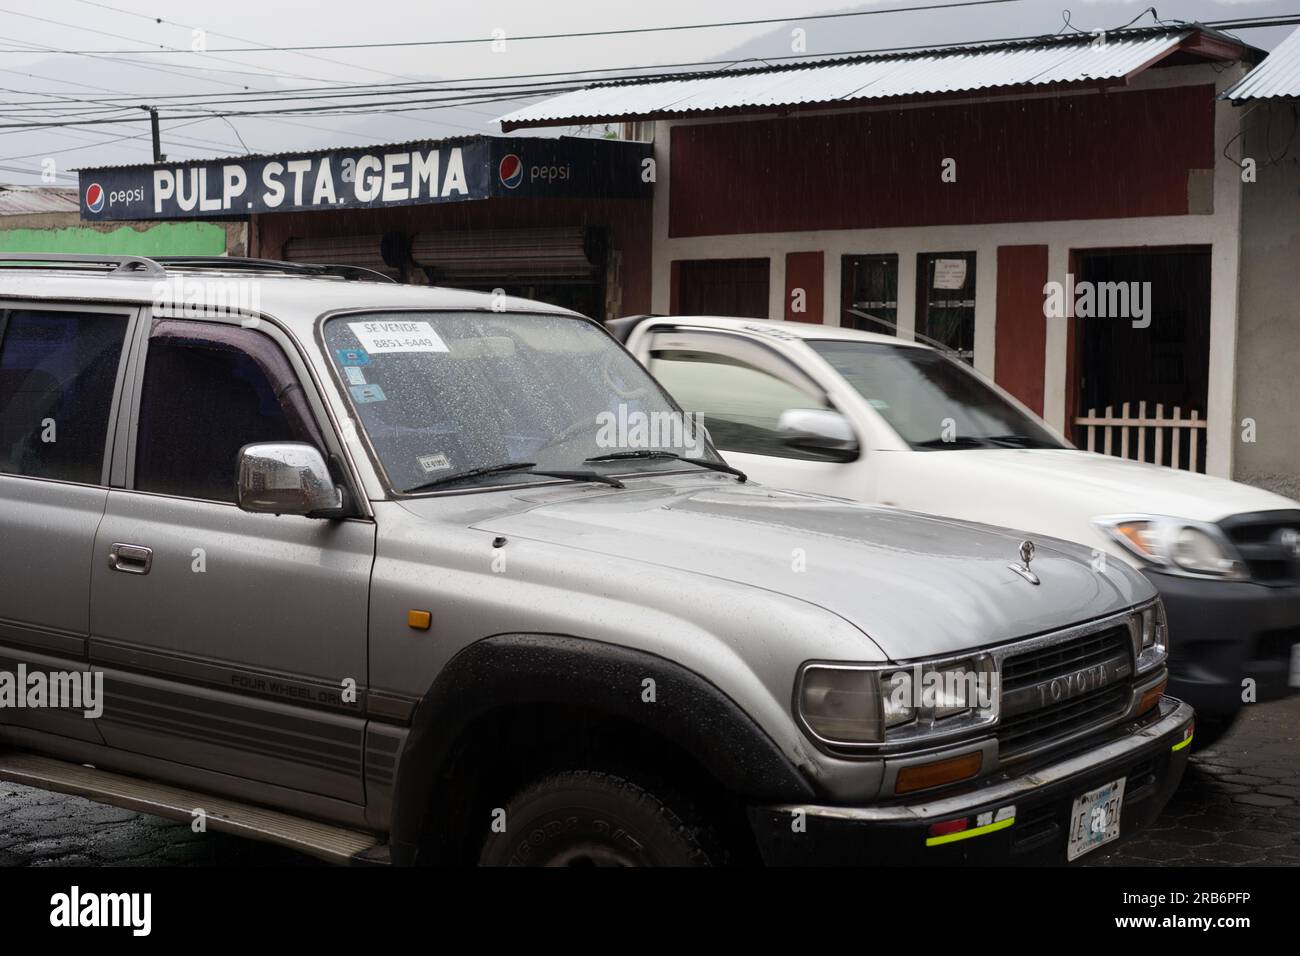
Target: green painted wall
[{"x": 161, "y": 239}]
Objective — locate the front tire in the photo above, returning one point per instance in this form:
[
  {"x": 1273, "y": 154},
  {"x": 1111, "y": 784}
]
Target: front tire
[{"x": 583, "y": 818}]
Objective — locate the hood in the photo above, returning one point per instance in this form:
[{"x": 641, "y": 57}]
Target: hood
[
  {"x": 1109, "y": 485},
  {"x": 916, "y": 585}
]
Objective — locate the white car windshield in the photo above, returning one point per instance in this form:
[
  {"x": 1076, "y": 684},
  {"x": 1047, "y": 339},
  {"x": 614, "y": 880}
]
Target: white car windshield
[
  {"x": 444, "y": 394},
  {"x": 932, "y": 401}
]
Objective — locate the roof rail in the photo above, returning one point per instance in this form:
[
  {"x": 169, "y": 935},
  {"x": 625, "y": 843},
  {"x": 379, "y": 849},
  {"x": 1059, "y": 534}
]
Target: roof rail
[
  {"x": 157, "y": 265},
  {"x": 245, "y": 264},
  {"x": 114, "y": 264}
]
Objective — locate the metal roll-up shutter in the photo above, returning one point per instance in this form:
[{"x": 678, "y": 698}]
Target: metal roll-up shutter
[
  {"x": 364, "y": 251},
  {"x": 570, "y": 254}
]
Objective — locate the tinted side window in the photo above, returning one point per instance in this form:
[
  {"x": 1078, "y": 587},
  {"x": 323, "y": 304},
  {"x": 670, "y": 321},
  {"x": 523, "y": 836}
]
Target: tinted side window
[
  {"x": 209, "y": 390},
  {"x": 741, "y": 404},
  {"x": 58, "y": 371}
]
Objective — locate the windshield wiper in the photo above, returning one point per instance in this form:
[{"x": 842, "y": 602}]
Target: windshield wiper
[
  {"x": 528, "y": 467},
  {"x": 957, "y": 441},
  {"x": 472, "y": 473},
  {"x": 1018, "y": 441},
  {"x": 651, "y": 453}
]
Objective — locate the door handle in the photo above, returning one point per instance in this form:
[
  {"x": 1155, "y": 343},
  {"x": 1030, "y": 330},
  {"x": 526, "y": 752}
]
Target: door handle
[{"x": 130, "y": 558}]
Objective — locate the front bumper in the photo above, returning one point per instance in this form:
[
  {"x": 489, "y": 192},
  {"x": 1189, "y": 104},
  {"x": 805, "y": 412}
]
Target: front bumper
[
  {"x": 1222, "y": 632},
  {"x": 1151, "y": 753}
]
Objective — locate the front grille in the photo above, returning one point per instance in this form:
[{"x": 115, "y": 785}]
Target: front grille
[
  {"x": 1262, "y": 541},
  {"x": 1027, "y": 732},
  {"x": 1033, "y": 667},
  {"x": 1028, "y": 725}
]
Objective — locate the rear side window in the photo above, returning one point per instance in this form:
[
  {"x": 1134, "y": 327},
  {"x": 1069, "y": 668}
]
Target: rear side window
[
  {"x": 58, "y": 371},
  {"x": 208, "y": 390}
]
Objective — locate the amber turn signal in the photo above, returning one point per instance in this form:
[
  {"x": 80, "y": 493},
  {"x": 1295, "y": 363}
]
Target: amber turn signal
[
  {"x": 1151, "y": 698},
  {"x": 926, "y": 775},
  {"x": 419, "y": 620}
]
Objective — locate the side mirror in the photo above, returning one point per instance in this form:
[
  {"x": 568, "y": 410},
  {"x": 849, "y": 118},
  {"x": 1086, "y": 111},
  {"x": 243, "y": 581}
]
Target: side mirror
[
  {"x": 823, "y": 431},
  {"x": 287, "y": 478}
]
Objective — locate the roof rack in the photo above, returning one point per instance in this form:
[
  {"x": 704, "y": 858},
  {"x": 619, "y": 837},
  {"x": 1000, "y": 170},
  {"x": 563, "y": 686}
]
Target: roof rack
[
  {"x": 114, "y": 264},
  {"x": 157, "y": 265},
  {"x": 245, "y": 264}
]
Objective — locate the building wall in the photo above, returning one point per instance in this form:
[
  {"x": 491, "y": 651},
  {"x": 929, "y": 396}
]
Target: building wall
[
  {"x": 65, "y": 232},
  {"x": 1268, "y": 340},
  {"x": 1013, "y": 160},
  {"x": 626, "y": 220},
  {"x": 1205, "y": 212}
]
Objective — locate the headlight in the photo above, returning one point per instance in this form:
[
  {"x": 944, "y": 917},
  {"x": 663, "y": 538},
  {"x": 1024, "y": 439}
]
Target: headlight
[
  {"x": 842, "y": 703},
  {"x": 856, "y": 704},
  {"x": 1190, "y": 548},
  {"x": 1150, "y": 636}
]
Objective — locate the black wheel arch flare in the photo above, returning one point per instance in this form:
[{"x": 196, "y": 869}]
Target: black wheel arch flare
[{"x": 537, "y": 669}]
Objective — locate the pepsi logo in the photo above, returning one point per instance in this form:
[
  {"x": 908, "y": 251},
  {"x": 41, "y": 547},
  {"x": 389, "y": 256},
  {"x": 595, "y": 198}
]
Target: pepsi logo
[
  {"x": 511, "y": 170},
  {"x": 94, "y": 197}
]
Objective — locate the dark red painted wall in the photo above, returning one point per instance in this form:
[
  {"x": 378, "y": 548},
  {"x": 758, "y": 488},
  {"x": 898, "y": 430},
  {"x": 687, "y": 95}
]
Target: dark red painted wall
[
  {"x": 1065, "y": 157},
  {"x": 804, "y": 270},
  {"x": 1020, "y": 350}
]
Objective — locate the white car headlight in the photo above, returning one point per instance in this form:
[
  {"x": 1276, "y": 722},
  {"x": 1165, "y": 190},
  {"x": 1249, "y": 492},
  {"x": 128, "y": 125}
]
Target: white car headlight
[{"x": 1176, "y": 545}]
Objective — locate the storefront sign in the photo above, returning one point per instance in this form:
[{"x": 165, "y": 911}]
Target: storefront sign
[{"x": 402, "y": 175}]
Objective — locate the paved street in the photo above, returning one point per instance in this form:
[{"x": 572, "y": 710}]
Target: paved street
[{"x": 1239, "y": 804}]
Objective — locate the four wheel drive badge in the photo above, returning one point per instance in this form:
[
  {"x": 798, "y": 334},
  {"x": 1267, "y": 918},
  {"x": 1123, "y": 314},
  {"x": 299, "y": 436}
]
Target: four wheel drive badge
[{"x": 1026, "y": 556}]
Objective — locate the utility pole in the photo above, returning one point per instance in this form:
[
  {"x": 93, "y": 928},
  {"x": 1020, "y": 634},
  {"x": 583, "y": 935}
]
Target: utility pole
[{"x": 158, "y": 156}]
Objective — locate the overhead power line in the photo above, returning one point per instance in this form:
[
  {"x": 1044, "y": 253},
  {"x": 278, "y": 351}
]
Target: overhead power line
[{"x": 581, "y": 34}]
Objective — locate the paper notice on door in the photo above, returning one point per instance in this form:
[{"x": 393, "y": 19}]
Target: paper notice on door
[
  {"x": 378, "y": 338},
  {"x": 949, "y": 273}
]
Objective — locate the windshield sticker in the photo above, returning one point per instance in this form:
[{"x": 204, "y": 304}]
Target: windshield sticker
[
  {"x": 379, "y": 338},
  {"x": 432, "y": 463},
  {"x": 352, "y": 356},
  {"x": 362, "y": 394},
  {"x": 355, "y": 375}
]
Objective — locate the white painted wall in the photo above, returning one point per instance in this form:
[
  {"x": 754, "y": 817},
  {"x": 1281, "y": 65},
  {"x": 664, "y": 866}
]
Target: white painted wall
[{"x": 1268, "y": 341}]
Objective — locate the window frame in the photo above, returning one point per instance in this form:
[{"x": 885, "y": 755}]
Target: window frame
[
  {"x": 132, "y": 314},
  {"x": 291, "y": 349},
  {"x": 750, "y": 350}
]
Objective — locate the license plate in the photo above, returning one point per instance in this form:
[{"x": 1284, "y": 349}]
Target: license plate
[
  {"x": 1094, "y": 821},
  {"x": 1295, "y": 665}
]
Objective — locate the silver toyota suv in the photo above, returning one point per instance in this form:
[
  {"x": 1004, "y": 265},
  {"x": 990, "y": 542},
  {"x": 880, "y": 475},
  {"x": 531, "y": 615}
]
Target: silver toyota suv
[{"x": 389, "y": 573}]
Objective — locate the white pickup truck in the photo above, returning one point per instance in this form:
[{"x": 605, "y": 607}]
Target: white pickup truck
[{"x": 876, "y": 418}]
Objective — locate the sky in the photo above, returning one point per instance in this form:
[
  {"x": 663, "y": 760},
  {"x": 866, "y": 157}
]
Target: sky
[{"x": 47, "y": 56}]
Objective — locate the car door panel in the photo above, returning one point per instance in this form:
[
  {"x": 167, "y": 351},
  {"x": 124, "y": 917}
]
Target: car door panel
[
  {"x": 61, "y": 374},
  {"x": 242, "y": 649}
]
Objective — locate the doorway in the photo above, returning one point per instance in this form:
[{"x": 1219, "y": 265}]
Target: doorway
[{"x": 1153, "y": 357}]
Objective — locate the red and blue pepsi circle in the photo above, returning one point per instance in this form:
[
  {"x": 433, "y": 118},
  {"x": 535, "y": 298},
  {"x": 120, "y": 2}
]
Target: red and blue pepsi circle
[
  {"x": 94, "y": 197},
  {"x": 511, "y": 171}
]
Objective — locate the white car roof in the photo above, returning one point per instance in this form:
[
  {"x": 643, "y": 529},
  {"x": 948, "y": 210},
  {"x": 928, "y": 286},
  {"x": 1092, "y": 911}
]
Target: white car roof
[{"x": 782, "y": 329}]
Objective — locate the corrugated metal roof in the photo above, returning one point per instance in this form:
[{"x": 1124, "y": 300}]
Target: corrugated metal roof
[
  {"x": 1277, "y": 76},
  {"x": 32, "y": 200},
  {"x": 1023, "y": 63}
]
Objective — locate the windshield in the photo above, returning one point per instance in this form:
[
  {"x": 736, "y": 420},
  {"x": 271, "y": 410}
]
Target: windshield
[
  {"x": 440, "y": 394},
  {"x": 932, "y": 401}
]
